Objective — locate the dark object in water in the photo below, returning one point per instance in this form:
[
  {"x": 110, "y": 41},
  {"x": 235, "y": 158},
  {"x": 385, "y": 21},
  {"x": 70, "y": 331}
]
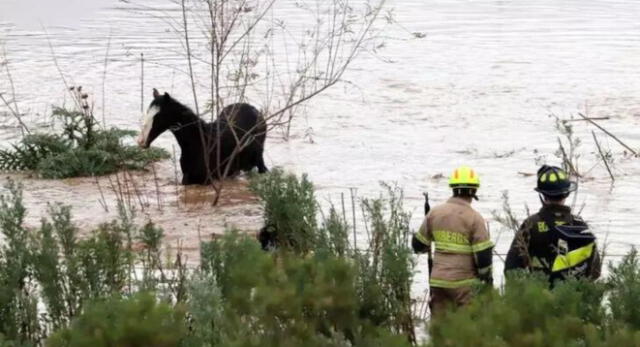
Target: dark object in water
[{"x": 267, "y": 238}]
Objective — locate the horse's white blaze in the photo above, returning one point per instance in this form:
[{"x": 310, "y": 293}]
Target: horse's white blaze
[{"x": 147, "y": 124}]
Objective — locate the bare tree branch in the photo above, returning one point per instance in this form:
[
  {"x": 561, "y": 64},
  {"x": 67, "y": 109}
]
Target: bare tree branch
[
  {"x": 15, "y": 111},
  {"x": 186, "y": 39}
]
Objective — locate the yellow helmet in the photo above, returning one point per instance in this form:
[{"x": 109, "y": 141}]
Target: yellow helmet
[{"x": 464, "y": 177}]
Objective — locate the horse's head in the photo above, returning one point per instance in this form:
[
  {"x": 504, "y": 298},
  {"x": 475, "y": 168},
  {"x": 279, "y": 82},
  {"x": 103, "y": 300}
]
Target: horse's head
[{"x": 160, "y": 116}]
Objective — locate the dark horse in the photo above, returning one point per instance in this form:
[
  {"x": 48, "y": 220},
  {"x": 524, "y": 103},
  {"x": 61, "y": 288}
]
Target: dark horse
[{"x": 232, "y": 143}]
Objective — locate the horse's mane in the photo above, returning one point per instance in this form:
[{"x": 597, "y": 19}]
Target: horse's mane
[{"x": 183, "y": 111}]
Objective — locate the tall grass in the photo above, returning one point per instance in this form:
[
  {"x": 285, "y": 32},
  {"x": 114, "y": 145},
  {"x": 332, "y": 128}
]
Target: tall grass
[
  {"x": 384, "y": 271},
  {"x": 386, "y": 268},
  {"x": 48, "y": 274},
  {"x": 18, "y": 301}
]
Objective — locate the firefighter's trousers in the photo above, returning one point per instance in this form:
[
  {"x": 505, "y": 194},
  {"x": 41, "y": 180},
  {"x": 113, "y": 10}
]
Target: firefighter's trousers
[{"x": 443, "y": 298}]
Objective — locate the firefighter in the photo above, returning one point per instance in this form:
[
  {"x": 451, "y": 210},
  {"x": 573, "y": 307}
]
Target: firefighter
[
  {"x": 462, "y": 254},
  {"x": 554, "y": 241}
]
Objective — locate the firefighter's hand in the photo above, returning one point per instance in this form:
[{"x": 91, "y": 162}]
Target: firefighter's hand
[
  {"x": 427, "y": 207},
  {"x": 418, "y": 247}
]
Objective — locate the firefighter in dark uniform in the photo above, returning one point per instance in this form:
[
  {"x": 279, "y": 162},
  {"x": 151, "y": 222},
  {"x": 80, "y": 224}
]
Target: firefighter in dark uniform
[{"x": 554, "y": 241}]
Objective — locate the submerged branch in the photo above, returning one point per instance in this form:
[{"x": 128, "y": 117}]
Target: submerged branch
[{"x": 608, "y": 133}]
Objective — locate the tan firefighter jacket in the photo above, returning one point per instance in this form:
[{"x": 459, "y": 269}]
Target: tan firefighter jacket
[{"x": 463, "y": 249}]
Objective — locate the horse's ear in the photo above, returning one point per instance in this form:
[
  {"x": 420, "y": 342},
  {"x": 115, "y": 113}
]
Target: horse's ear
[
  {"x": 155, "y": 93},
  {"x": 166, "y": 95}
]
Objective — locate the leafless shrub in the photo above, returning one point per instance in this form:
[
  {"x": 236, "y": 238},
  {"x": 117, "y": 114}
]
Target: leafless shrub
[
  {"x": 568, "y": 146},
  {"x": 251, "y": 54},
  {"x": 509, "y": 220},
  {"x": 507, "y": 217},
  {"x": 9, "y": 99}
]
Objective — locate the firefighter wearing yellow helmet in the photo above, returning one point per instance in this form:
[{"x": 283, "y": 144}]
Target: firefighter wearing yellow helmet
[{"x": 462, "y": 249}]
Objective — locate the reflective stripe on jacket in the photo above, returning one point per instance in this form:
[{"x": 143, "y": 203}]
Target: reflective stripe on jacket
[
  {"x": 535, "y": 247},
  {"x": 462, "y": 247}
]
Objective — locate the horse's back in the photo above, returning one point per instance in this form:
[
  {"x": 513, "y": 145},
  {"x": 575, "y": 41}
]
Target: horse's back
[
  {"x": 243, "y": 122},
  {"x": 243, "y": 117}
]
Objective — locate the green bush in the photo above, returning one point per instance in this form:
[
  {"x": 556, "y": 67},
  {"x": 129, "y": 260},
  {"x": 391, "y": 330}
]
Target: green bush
[
  {"x": 76, "y": 163},
  {"x": 527, "y": 313},
  {"x": 384, "y": 270},
  {"x": 47, "y": 274},
  {"x": 290, "y": 208},
  {"x": 240, "y": 296},
  {"x": 333, "y": 236},
  {"x": 136, "y": 321},
  {"x": 27, "y": 154},
  {"x": 96, "y": 290},
  {"x": 624, "y": 292},
  {"x": 18, "y": 299},
  {"x": 81, "y": 149},
  {"x": 246, "y": 297},
  {"x": 386, "y": 267}
]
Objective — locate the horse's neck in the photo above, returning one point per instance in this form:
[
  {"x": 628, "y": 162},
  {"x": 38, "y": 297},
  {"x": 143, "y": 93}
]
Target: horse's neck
[{"x": 190, "y": 133}]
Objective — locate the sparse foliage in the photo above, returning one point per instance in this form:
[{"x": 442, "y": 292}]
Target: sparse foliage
[
  {"x": 568, "y": 147},
  {"x": 279, "y": 66},
  {"x": 507, "y": 217}
]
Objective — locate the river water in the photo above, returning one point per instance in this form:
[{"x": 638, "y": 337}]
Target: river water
[{"x": 477, "y": 90}]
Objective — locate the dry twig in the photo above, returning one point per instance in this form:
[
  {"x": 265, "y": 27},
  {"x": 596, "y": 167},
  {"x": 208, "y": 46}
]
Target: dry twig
[
  {"x": 608, "y": 133},
  {"x": 14, "y": 110},
  {"x": 604, "y": 159}
]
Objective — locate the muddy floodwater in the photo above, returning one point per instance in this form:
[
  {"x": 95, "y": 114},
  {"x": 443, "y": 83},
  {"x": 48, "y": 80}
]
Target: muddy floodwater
[{"x": 477, "y": 89}]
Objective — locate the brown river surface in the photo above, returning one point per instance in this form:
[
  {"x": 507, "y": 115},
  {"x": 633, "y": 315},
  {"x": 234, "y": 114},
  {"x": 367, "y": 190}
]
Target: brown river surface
[{"x": 477, "y": 90}]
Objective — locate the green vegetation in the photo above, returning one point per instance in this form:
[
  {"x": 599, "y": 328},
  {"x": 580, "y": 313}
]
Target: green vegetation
[
  {"x": 48, "y": 274},
  {"x": 383, "y": 271},
  {"x": 56, "y": 285},
  {"x": 80, "y": 149},
  {"x": 528, "y": 313},
  {"x": 140, "y": 320},
  {"x": 244, "y": 296},
  {"x": 290, "y": 208},
  {"x": 116, "y": 286}
]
